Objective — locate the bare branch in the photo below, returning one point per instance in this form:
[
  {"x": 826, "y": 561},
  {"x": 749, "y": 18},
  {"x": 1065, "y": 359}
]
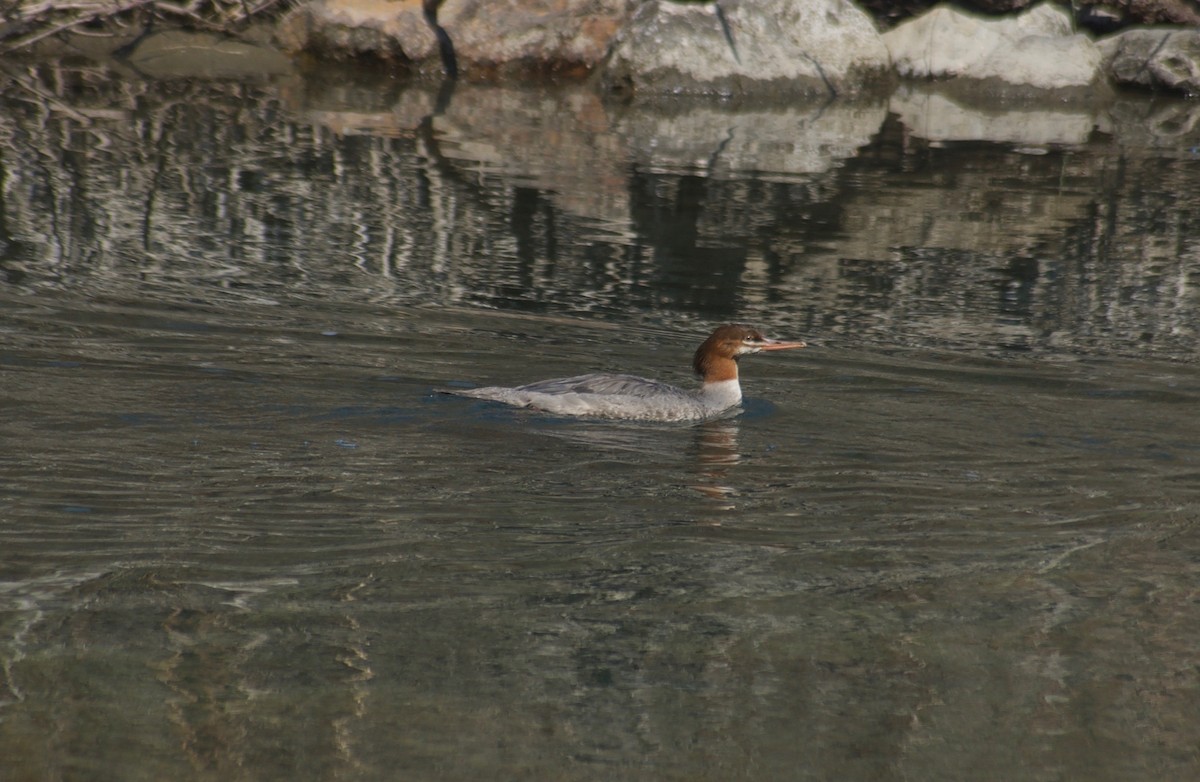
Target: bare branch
[{"x": 25, "y": 24}]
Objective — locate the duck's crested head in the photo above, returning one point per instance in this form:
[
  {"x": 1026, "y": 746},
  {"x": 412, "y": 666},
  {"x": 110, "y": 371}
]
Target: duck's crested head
[{"x": 730, "y": 342}]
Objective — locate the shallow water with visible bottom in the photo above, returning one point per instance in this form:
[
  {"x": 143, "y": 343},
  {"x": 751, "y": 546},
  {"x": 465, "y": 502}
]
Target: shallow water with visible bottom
[{"x": 243, "y": 537}]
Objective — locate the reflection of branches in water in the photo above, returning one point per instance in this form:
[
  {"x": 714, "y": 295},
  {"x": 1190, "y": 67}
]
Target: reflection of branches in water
[
  {"x": 215, "y": 183},
  {"x": 71, "y": 170},
  {"x": 474, "y": 195},
  {"x": 38, "y": 95},
  {"x": 188, "y": 175}
]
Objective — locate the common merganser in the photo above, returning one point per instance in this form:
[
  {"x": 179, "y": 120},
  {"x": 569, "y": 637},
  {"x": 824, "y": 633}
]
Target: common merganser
[{"x": 636, "y": 398}]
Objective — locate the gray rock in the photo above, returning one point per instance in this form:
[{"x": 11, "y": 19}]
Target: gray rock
[
  {"x": 351, "y": 29},
  {"x": 540, "y": 34},
  {"x": 1036, "y": 48},
  {"x": 183, "y": 54},
  {"x": 1154, "y": 58},
  {"x": 1044, "y": 62},
  {"x": 748, "y": 47},
  {"x": 489, "y": 36}
]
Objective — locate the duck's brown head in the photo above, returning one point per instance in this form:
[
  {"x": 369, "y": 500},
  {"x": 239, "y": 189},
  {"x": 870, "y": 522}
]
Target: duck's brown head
[{"x": 716, "y": 359}]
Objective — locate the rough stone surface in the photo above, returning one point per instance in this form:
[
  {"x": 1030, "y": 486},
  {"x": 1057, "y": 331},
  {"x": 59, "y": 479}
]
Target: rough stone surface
[
  {"x": 183, "y": 54},
  {"x": 1036, "y": 48},
  {"x": 349, "y": 29},
  {"x": 1154, "y": 58},
  {"x": 948, "y": 41},
  {"x": 748, "y": 48},
  {"x": 1043, "y": 61},
  {"x": 1096, "y": 15},
  {"x": 752, "y": 47},
  {"x": 488, "y": 35},
  {"x": 560, "y": 33},
  {"x": 1152, "y": 11}
]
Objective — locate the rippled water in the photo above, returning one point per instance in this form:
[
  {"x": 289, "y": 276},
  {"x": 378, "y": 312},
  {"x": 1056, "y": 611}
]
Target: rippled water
[{"x": 241, "y": 537}]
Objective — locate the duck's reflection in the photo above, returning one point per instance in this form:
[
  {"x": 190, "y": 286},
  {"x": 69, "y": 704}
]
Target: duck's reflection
[
  {"x": 706, "y": 453},
  {"x": 715, "y": 454}
]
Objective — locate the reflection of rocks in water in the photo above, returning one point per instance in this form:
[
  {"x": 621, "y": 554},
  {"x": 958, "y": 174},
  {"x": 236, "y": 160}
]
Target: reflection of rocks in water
[
  {"x": 821, "y": 216},
  {"x": 1163, "y": 123},
  {"x": 559, "y": 142},
  {"x": 949, "y": 232},
  {"x": 933, "y": 115},
  {"x": 350, "y": 102},
  {"x": 770, "y": 143}
]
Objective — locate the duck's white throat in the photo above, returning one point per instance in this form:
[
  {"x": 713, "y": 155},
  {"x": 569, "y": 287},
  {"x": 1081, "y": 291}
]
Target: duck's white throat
[{"x": 722, "y": 394}]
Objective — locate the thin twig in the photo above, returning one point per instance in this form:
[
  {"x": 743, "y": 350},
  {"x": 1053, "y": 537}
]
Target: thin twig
[
  {"x": 46, "y": 18},
  {"x": 82, "y": 19}
]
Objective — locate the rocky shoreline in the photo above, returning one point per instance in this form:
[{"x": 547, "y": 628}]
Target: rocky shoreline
[
  {"x": 754, "y": 48},
  {"x": 728, "y": 49}
]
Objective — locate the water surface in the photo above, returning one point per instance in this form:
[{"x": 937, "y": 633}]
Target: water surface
[{"x": 242, "y": 537}]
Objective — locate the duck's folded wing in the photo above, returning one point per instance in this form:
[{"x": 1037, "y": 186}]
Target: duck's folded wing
[{"x": 603, "y": 385}]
